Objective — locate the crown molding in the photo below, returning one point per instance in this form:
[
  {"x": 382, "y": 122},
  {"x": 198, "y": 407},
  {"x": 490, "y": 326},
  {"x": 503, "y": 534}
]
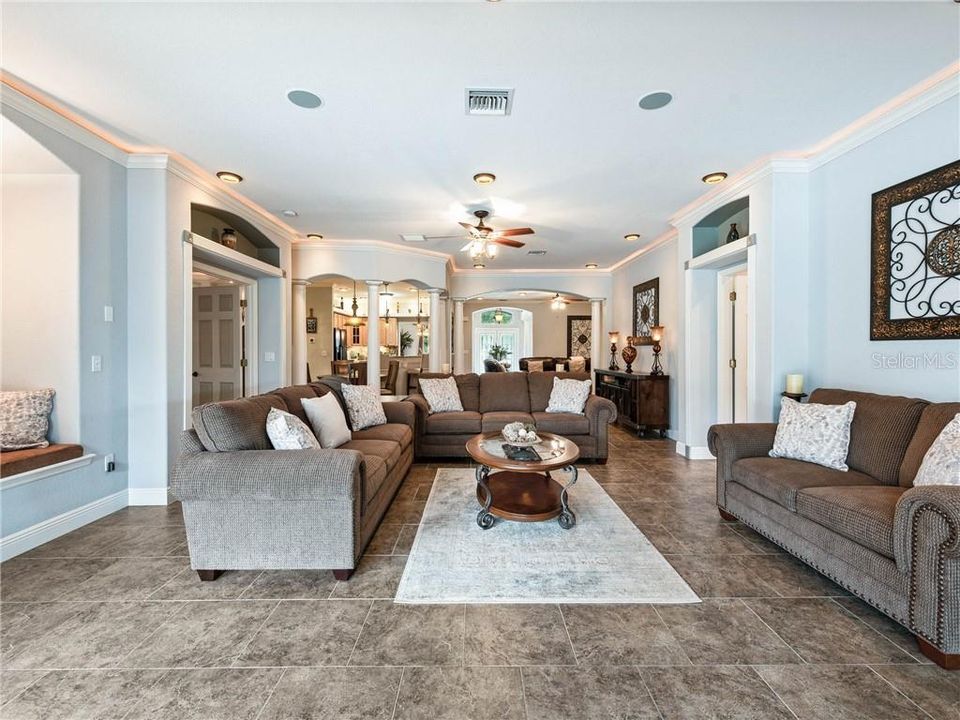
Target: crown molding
[
  {"x": 512, "y": 272},
  {"x": 147, "y": 161},
  {"x": 369, "y": 246},
  {"x": 657, "y": 242}
]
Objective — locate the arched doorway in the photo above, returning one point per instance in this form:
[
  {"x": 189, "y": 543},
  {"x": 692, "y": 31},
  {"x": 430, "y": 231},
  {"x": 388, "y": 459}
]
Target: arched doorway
[{"x": 501, "y": 330}]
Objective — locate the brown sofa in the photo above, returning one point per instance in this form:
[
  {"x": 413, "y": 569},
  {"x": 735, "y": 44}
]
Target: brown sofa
[
  {"x": 492, "y": 400},
  {"x": 868, "y": 529},
  {"x": 247, "y": 506}
]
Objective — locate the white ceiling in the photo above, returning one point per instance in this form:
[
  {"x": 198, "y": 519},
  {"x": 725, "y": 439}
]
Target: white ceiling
[{"x": 392, "y": 151}]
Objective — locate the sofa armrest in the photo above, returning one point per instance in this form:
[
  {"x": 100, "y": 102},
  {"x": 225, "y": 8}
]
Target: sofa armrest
[
  {"x": 402, "y": 412},
  {"x": 926, "y": 545},
  {"x": 601, "y": 411},
  {"x": 730, "y": 443},
  {"x": 268, "y": 475}
]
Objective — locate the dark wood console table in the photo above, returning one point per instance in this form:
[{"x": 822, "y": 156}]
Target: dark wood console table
[{"x": 643, "y": 401}]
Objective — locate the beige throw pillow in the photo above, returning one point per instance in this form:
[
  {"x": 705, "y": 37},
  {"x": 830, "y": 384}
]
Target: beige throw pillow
[
  {"x": 441, "y": 394},
  {"x": 814, "y": 433},
  {"x": 577, "y": 363},
  {"x": 327, "y": 420},
  {"x": 534, "y": 365},
  {"x": 941, "y": 464},
  {"x": 288, "y": 432},
  {"x": 364, "y": 406},
  {"x": 25, "y": 418}
]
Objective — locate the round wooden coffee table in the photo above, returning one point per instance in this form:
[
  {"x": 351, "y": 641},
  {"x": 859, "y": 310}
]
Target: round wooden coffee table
[{"x": 523, "y": 490}]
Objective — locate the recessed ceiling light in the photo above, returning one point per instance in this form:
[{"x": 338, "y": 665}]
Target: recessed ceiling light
[
  {"x": 591, "y": 266},
  {"x": 289, "y": 213},
  {"x": 631, "y": 237},
  {"x": 479, "y": 266},
  {"x": 655, "y": 100},
  {"x": 230, "y": 177},
  {"x": 484, "y": 178},
  {"x": 714, "y": 178},
  {"x": 304, "y": 99},
  {"x": 314, "y": 236}
]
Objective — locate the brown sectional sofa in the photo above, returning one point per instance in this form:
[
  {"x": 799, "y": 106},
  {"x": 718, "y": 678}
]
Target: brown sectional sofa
[
  {"x": 247, "y": 506},
  {"x": 492, "y": 400},
  {"x": 868, "y": 529}
]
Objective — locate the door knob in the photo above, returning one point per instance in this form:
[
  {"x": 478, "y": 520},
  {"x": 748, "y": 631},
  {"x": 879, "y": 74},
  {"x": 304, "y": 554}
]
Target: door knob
[{"x": 196, "y": 374}]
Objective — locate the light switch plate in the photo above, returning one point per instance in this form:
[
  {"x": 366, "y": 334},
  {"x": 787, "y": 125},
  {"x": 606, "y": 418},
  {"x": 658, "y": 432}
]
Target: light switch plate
[
  {"x": 269, "y": 357},
  {"x": 96, "y": 363}
]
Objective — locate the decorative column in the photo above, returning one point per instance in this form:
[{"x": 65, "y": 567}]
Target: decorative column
[
  {"x": 299, "y": 312},
  {"x": 373, "y": 334},
  {"x": 458, "y": 359},
  {"x": 435, "y": 321},
  {"x": 596, "y": 333}
]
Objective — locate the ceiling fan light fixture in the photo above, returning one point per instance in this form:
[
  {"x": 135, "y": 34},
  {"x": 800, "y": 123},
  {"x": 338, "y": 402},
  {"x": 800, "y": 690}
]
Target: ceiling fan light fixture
[
  {"x": 631, "y": 237},
  {"x": 484, "y": 178},
  {"x": 478, "y": 266},
  {"x": 714, "y": 178},
  {"x": 229, "y": 177},
  {"x": 491, "y": 250}
]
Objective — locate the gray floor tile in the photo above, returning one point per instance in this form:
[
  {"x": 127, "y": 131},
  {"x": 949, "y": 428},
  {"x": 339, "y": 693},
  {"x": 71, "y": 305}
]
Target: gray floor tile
[
  {"x": 81, "y": 695},
  {"x": 516, "y": 635},
  {"x": 474, "y": 693},
  {"x": 405, "y": 542},
  {"x": 291, "y": 585},
  {"x": 822, "y": 632},
  {"x": 829, "y": 692},
  {"x": 96, "y": 635},
  {"x": 791, "y": 578},
  {"x": 145, "y": 516},
  {"x": 890, "y": 629},
  {"x": 376, "y": 576},
  {"x": 587, "y": 693},
  {"x": 128, "y": 579},
  {"x": 334, "y": 694},
  {"x": 115, "y": 541},
  {"x": 935, "y": 690},
  {"x": 405, "y": 511},
  {"x": 14, "y": 682},
  {"x": 411, "y": 635},
  {"x": 705, "y": 693},
  {"x": 209, "y": 694},
  {"x": 22, "y": 624},
  {"x": 187, "y": 585},
  {"x": 720, "y": 576},
  {"x": 621, "y": 635},
  {"x": 202, "y": 634},
  {"x": 25, "y": 579},
  {"x": 725, "y": 632},
  {"x": 384, "y": 539},
  {"x": 307, "y": 632}
]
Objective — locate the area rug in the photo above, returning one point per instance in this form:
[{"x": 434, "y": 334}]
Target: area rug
[{"x": 604, "y": 558}]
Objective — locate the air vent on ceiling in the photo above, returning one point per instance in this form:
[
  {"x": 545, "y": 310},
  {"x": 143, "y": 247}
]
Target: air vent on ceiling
[
  {"x": 489, "y": 101},
  {"x": 412, "y": 238},
  {"x": 536, "y": 252}
]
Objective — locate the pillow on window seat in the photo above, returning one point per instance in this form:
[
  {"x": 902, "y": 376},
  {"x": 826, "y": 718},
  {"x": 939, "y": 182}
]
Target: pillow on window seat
[{"x": 25, "y": 418}]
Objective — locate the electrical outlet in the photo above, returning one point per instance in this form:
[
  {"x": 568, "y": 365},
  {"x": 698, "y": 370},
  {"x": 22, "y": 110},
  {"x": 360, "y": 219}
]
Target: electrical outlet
[
  {"x": 269, "y": 357},
  {"x": 96, "y": 363},
  {"x": 108, "y": 463}
]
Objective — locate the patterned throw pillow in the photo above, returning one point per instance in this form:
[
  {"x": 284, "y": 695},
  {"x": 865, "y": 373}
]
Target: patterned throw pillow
[
  {"x": 25, "y": 418},
  {"x": 364, "y": 406},
  {"x": 941, "y": 464},
  {"x": 568, "y": 396},
  {"x": 815, "y": 433},
  {"x": 534, "y": 365},
  {"x": 442, "y": 394},
  {"x": 327, "y": 420},
  {"x": 578, "y": 363},
  {"x": 288, "y": 432}
]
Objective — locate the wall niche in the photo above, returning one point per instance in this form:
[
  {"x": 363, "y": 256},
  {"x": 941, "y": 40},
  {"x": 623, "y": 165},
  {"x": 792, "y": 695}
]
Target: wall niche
[{"x": 712, "y": 231}]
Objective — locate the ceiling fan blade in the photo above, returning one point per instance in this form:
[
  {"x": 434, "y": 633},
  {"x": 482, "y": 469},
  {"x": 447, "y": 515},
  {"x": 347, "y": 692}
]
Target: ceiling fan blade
[
  {"x": 470, "y": 228},
  {"x": 508, "y": 243},
  {"x": 443, "y": 237},
  {"x": 515, "y": 231}
]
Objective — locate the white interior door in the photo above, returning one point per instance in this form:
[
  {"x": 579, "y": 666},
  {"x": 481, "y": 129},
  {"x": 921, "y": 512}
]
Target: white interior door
[
  {"x": 217, "y": 344},
  {"x": 487, "y": 337}
]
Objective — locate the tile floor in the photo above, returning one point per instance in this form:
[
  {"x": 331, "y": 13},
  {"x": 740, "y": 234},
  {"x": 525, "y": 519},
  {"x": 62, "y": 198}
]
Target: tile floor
[{"x": 109, "y": 622}]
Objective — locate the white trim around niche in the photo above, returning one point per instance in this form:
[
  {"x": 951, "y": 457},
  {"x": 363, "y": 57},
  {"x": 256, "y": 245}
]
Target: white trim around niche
[
  {"x": 23, "y": 540},
  {"x": 45, "y": 472}
]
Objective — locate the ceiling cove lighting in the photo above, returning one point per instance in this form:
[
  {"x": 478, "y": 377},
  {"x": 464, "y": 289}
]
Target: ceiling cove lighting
[
  {"x": 304, "y": 99},
  {"x": 230, "y": 177},
  {"x": 655, "y": 100},
  {"x": 714, "y": 178},
  {"x": 631, "y": 237},
  {"x": 314, "y": 236},
  {"x": 484, "y": 178}
]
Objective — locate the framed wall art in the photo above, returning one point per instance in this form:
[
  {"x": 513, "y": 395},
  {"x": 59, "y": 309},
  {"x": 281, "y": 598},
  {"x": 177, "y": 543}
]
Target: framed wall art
[
  {"x": 646, "y": 310},
  {"x": 915, "y": 258},
  {"x": 578, "y": 335}
]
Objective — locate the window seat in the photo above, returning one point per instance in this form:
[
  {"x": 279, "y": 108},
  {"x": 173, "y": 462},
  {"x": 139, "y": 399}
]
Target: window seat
[{"x": 15, "y": 462}]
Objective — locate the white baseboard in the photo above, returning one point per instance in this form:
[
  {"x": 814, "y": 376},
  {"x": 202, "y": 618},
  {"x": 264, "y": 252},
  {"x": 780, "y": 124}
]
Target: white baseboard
[
  {"x": 694, "y": 452},
  {"x": 29, "y": 538},
  {"x": 148, "y": 496}
]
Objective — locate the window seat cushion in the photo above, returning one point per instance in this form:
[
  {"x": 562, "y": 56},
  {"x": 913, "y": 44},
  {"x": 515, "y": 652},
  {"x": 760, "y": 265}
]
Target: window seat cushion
[{"x": 14, "y": 462}]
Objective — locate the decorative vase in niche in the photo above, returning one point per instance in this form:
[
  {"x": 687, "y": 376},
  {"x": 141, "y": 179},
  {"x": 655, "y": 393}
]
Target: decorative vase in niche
[
  {"x": 734, "y": 234},
  {"x": 629, "y": 354},
  {"x": 228, "y": 238}
]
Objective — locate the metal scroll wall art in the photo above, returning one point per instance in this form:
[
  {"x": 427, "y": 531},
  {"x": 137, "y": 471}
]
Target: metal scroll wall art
[
  {"x": 915, "y": 263},
  {"x": 646, "y": 311}
]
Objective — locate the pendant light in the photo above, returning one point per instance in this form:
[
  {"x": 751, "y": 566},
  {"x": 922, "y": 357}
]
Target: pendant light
[
  {"x": 355, "y": 320},
  {"x": 498, "y": 316}
]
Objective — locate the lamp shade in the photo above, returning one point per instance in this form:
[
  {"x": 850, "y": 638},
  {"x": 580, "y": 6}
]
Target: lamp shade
[
  {"x": 614, "y": 337},
  {"x": 656, "y": 333}
]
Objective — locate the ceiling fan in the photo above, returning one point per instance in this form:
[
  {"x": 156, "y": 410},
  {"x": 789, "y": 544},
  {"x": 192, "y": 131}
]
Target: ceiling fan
[{"x": 484, "y": 239}]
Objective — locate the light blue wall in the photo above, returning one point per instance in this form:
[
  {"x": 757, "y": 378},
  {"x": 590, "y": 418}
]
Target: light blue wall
[
  {"x": 103, "y": 400},
  {"x": 841, "y": 352}
]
